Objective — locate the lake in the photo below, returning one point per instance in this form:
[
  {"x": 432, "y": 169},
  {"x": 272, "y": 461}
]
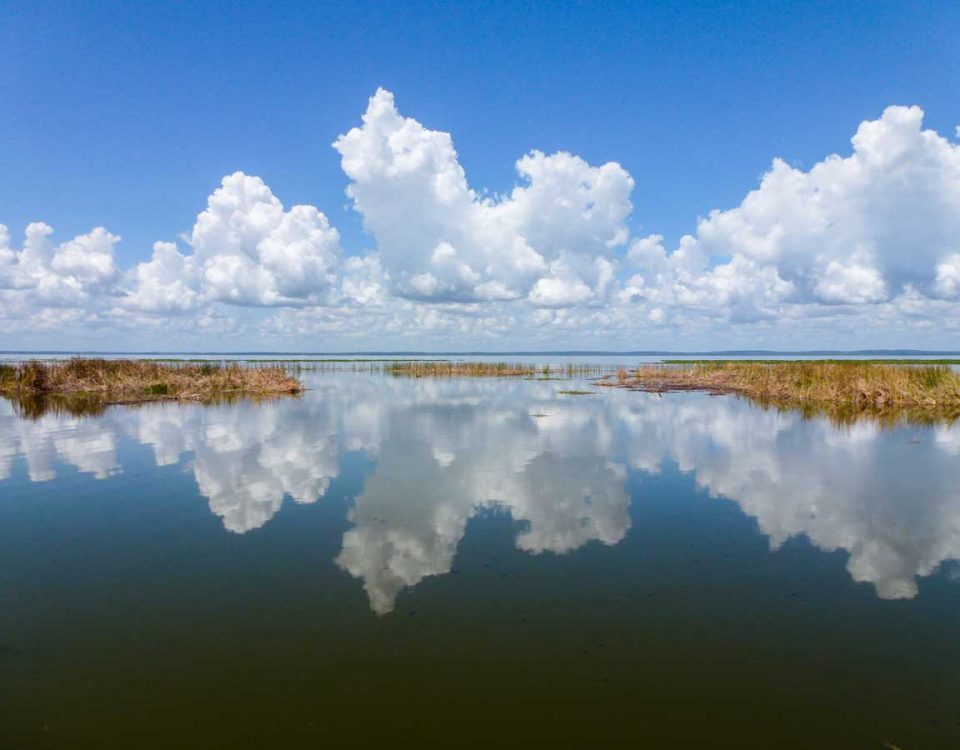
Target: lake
[{"x": 476, "y": 562}]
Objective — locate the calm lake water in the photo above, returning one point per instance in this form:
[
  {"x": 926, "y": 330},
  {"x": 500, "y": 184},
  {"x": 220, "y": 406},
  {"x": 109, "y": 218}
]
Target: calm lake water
[{"x": 452, "y": 563}]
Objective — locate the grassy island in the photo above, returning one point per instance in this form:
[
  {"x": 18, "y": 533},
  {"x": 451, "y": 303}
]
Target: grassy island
[
  {"x": 135, "y": 381},
  {"x": 841, "y": 388}
]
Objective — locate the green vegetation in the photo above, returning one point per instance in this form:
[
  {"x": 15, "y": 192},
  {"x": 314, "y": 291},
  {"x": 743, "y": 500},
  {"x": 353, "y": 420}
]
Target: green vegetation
[
  {"x": 130, "y": 381},
  {"x": 576, "y": 393}
]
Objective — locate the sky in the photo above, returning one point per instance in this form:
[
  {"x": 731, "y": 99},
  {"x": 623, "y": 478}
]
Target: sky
[{"x": 479, "y": 176}]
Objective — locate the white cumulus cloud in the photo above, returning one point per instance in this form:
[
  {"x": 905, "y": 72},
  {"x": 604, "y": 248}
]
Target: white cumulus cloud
[
  {"x": 867, "y": 243},
  {"x": 247, "y": 250},
  {"x": 865, "y": 229},
  {"x": 549, "y": 240},
  {"x": 58, "y": 275}
]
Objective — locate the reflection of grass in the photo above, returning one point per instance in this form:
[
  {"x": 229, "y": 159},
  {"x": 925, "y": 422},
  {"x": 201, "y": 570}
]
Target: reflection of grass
[
  {"x": 35, "y": 406},
  {"x": 576, "y": 393},
  {"x": 133, "y": 380},
  {"x": 843, "y": 390}
]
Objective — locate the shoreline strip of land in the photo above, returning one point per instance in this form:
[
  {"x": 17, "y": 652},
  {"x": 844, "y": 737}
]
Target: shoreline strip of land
[
  {"x": 841, "y": 388},
  {"x": 138, "y": 381}
]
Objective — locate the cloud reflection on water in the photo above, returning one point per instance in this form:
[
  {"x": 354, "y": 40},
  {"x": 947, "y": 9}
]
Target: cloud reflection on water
[
  {"x": 445, "y": 450},
  {"x": 443, "y": 460}
]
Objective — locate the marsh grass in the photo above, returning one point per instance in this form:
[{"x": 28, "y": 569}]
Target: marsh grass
[
  {"x": 447, "y": 369},
  {"x": 130, "y": 381},
  {"x": 462, "y": 369},
  {"x": 845, "y": 390}
]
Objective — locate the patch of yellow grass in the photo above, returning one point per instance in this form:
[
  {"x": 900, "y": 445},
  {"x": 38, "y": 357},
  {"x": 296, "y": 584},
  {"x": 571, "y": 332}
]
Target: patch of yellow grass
[
  {"x": 138, "y": 380},
  {"x": 841, "y": 387}
]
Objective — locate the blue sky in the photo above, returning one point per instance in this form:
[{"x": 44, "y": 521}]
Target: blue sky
[{"x": 128, "y": 116}]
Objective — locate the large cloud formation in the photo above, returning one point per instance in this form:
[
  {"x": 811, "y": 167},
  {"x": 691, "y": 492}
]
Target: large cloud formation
[
  {"x": 58, "y": 274},
  {"x": 247, "y": 251},
  {"x": 550, "y": 241},
  {"x": 878, "y": 226},
  {"x": 872, "y": 239}
]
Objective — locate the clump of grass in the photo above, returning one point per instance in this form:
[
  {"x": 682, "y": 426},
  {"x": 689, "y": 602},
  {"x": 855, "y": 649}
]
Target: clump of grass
[
  {"x": 137, "y": 380},
  {"x": 844, "y": 388}
]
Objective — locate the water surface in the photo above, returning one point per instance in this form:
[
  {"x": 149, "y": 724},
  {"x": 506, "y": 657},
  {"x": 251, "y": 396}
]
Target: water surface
[{"x": 476, "y": 562}]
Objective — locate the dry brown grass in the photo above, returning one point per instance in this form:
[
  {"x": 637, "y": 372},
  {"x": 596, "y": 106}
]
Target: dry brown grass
[
  {"x": 841, "y": 389},
  {"x": 132, "y": 381}
]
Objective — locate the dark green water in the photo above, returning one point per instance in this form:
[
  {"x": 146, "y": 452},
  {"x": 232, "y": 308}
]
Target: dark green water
[{"x": 476, "y": 563}]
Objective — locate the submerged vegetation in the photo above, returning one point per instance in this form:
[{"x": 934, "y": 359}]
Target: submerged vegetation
[
  {"x": 132, "y": 381},
  {"x": 844, "y": 390}
]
